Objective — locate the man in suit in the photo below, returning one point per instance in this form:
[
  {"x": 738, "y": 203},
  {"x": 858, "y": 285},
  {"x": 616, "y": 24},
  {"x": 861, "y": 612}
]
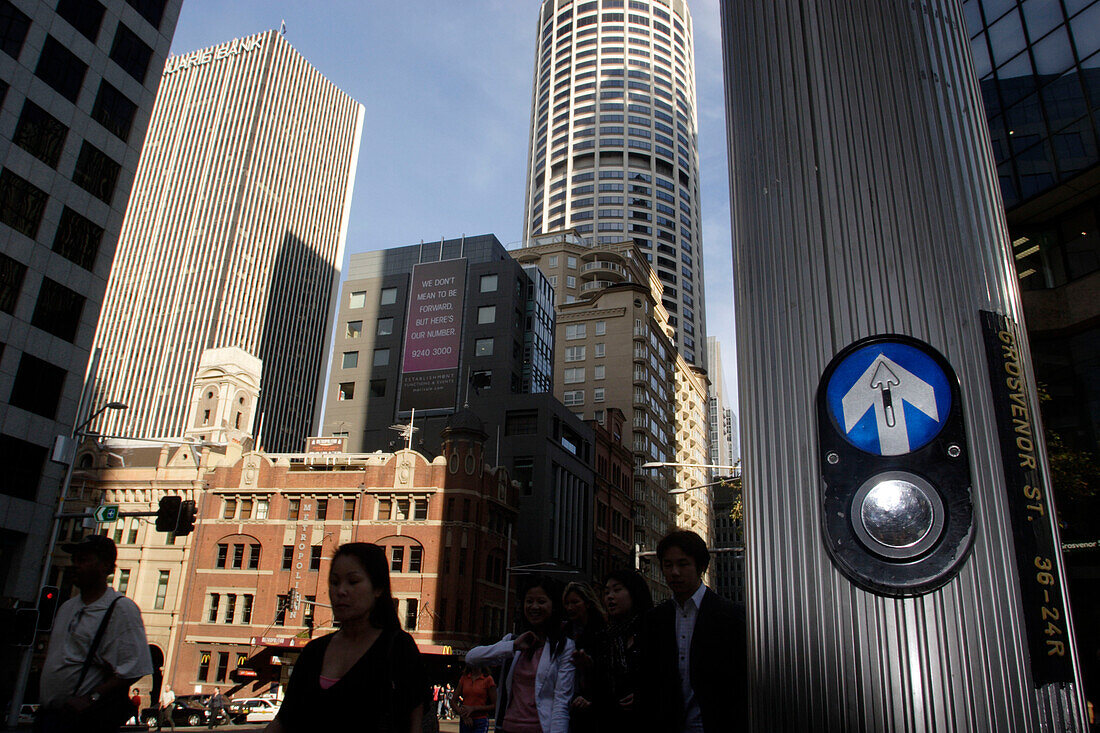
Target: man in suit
[{"x": 693, "y": 673}]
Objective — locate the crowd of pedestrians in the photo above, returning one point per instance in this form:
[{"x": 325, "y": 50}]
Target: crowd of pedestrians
[{"x": 582, "y": 658}]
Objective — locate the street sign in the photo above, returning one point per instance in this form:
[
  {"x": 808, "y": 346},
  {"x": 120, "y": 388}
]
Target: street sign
[
  {"x": 105, "y": 513},
  {"x": 889, "y": 398}
]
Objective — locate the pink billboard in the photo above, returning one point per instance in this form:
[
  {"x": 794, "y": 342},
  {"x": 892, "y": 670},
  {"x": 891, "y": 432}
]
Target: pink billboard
[{"x": 433, "y": 335}]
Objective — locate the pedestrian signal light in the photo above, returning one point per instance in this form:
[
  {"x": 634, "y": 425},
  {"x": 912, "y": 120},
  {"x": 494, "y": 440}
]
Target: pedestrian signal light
[
  {"x": 188, "y": 511},
  {"x": 168, "y": 513},
  {"x": 48, "y": 599},
  {"x": 25, "y": 626}
]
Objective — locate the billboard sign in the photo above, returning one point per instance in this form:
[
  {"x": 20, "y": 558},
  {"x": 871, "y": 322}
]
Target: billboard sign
[{"x": 433, "y": 336}]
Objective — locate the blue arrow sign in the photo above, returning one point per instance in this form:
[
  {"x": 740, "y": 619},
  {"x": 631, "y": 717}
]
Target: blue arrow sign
[{"x": 889, "y": 398}]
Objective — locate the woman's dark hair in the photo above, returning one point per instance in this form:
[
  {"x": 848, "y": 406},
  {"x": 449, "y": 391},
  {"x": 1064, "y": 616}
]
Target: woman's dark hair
[
  {"x": 641, "y": 600},
  {"x": 692, "y": 545},
  {"x": 373, "y": 559},
  {"x": 555, "y": 635}
]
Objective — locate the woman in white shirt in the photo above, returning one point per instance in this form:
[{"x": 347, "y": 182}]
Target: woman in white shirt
[{"x": 537, "y": 681}]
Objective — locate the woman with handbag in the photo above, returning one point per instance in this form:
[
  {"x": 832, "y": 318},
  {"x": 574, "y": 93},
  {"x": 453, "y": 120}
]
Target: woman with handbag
[
  {"x": 368, "y": 676},
  {"x": 537, "y": 682}
]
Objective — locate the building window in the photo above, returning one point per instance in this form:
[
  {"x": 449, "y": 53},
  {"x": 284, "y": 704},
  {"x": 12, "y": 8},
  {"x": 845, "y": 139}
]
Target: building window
[
  {"x": 599, "y": 371},
  {"x": 288, "y": 557},
  {"x": 12, "y": 273},
  {"x": 13, "y": 29},
  {"x": 61, "y": 69},
  {"x": 246, "y": 609},
  {"x": 601, "y": 350},
  {"x": 385, "y": 326},
  {"x": 402, "y": 510},
  {"x": 238, "y": 556},
  {"x": 346, "y": 392},
  {"x": 552, "y": 261},
  {"x": 574, "y": 353},
  {"x": 162, "y": 590},
  {"x": 349, "y": 509},
  {"x": 411, "y": 612},
  {"x": 420, "y": 510},
  {"x": 204, "y": 666},
  {"x": 357, "y": 299},
  {"x": 598, "y": 394},
  {"x": 481, "y": 379},
  {"x": 354, "y": 330},
  {"x": 322, "y": 510},
  {"x": 96, "y": 172},
  {"x": 381, "y": 357},
  {"x": 261, "y": 508},
  {"x": 575, "y": 331},
  {"x": 483, "y": 347},
  {"x": 416, "y": 558},
  {"x": 123, "y": 580},
  {"x": 223, "y": 667},
  {"x": 84, "y": 15},
  {"x": 385, "y": 509},
  {"x": 350, "y": 360},
  {"x": 294, "y": 509},
  {"x": 388, "y": 296},
  {"x": 486, "y": 314},
  {"x": 58, "y": 310},
  {"x": 151, "y": 10},
  {"x": 601, "y": 328},
  {"x": 223, "y": 555},
  {"x": 571, "y": 262},
  {"x": 378, "y": 388},
  {"x": 37, "y": 387},
  {"x": 281, "y": 603},
  {"x": 230, "y": 510},
  {"x": 573, "y": 397},
  {"x": 246, "y": 508},
  {"x": 131, "y": 53},
  {"x": 40, "y": 134},
  {"x": 488, "y": 283},
  {"x": 397, "y": 559},
  {"x": 570, "y": 281},
  {"x": 114, "y": 111},
  {"x": 574, "y": 375},
  {"x": 253, "y": 557},
  {"x": 21, "y": 204},
  {"x": 315, "y": 557},
  {"x": 230, "y": 607}
]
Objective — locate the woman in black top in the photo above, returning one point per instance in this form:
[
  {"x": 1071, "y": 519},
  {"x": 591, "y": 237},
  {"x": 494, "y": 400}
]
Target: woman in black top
[
  {"x": 367, "y": 676},
  {"x": 618, "y": 662},
  {"x": 585, "y": 625}
]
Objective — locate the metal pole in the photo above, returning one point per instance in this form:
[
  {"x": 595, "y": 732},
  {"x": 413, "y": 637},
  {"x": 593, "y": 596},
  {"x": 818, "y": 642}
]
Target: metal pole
[
  {"x": 507, "y": 576},
  {"x": 866, "y": 210}
]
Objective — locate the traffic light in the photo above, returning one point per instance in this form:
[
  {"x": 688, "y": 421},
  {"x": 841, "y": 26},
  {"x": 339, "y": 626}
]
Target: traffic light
[
  {"x": 48, "y": 599},
  {"x": 168, "y": 513},
  {"x": 188, "y": 511}
]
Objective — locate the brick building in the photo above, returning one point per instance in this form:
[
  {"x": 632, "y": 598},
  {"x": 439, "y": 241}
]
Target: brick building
[
  {"x": 269, "y": 524},
  {"x": 613, "y": 532}
]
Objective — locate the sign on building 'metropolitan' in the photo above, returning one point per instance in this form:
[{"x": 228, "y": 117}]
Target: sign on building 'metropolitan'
[{"x": 433, "y": 336}]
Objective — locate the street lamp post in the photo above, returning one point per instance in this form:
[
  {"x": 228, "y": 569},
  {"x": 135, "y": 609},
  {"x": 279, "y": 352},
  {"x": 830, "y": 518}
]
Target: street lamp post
[{"x": 25, "y": 661}]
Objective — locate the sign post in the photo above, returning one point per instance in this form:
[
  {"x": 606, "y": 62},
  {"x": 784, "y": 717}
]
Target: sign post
[{"x": 903, "y": 563}]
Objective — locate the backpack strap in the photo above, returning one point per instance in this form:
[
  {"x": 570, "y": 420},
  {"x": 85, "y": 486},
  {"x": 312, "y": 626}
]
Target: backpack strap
[{"x": 95, "y": 643}]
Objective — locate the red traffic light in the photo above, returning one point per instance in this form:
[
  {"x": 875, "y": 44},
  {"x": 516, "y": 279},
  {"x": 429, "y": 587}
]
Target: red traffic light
[{"x": 47, "y": 607}]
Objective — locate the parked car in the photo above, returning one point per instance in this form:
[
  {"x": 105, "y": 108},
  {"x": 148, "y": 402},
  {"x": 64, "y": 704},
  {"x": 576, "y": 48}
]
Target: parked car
[
  {"x": 253, "y": 709},
  {"x": 27, "y": 711},
  {"x": 182, "y": 712}
]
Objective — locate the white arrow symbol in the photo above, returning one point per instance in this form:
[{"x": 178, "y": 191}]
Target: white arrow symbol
[{"x": 883, "y": 387}]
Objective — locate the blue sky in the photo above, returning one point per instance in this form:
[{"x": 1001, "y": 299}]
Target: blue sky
[{"x": 447, "y": 90}]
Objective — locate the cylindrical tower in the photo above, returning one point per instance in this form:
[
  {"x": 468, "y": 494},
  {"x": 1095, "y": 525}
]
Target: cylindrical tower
[
  {"x": 903, "y": 566},
  {"x": 613, "y": 148}
]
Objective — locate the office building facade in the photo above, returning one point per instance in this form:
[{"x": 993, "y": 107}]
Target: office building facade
[
  {"x": 234, "y": 237},
  {"x": 719, "y": 416},
  {"x": 613, "y": 142},
  {"x": 77, "y": 84}
]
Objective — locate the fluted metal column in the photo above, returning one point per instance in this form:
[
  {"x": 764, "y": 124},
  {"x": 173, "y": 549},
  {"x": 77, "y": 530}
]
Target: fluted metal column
[{"x": 865, "y": 201}]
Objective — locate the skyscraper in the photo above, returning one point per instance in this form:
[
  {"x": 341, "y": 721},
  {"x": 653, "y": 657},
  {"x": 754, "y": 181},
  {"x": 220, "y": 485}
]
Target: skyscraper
[
  {"x": 77, "y": 84},
  {"x": 234, "y": 237},
  {"x": 613, "y": 146}
]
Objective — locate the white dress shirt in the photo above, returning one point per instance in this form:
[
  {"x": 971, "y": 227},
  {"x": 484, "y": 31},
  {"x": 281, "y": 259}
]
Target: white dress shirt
[{"x": 686, "y": 616}]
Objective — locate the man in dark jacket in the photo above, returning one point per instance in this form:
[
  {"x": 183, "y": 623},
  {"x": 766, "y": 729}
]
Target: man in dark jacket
[{"x": 694, "y": 652}]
